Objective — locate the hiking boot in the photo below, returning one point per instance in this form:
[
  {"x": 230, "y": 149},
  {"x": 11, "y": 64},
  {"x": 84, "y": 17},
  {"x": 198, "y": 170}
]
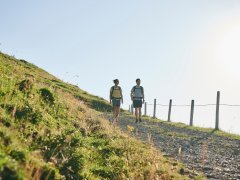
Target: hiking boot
[
  {"x": 136, "y": 121},
  {"x": 140, "y": 120}
]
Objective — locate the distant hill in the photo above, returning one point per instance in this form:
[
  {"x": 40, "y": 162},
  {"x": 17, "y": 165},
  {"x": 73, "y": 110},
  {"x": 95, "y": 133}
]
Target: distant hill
[{"x": 50, "y": 129}]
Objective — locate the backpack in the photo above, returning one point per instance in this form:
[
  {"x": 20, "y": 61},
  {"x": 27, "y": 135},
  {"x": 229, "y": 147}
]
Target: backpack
[
  {"x": 114, "y": 89},
  {"x": 134, "y": 88}
]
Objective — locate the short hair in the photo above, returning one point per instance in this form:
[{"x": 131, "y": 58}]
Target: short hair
[
  {"x": 137, "y": 79},
  {"x": 115, "y": 80}
]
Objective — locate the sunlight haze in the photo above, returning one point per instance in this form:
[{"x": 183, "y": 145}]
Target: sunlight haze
[{"x": 181, "y": 50}]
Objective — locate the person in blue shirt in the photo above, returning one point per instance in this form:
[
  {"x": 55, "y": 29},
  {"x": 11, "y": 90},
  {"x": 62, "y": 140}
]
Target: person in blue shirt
[{"x": 137, "y": 96}]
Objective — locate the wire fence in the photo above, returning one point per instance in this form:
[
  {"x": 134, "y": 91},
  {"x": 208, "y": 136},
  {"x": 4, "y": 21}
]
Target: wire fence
[
  {"x": 192, "y": 106},
  {"x": 188, "y": 105}
]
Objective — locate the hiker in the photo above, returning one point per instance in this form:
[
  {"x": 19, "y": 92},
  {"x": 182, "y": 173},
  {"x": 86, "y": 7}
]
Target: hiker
[
  {"x": 116, "y": 98},
  {"x": 137, "y": 96}
]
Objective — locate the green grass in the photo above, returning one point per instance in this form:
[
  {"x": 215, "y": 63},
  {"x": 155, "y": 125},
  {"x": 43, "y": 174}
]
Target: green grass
[{"x": 50, "y": 129}]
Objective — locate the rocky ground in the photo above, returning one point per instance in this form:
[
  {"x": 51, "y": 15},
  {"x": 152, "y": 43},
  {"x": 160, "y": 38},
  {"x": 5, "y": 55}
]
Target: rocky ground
[{"x": 218, "y": 157}]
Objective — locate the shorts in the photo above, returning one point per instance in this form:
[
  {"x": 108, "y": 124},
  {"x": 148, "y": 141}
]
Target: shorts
[
  {"x": 137, "y": 103},
  {"x": 116, "y": 102}
]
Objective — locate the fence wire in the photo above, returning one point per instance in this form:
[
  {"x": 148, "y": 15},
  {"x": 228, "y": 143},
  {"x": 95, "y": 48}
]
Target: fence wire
[
  {"x": 187, "y": 105},
  {"x": 192, "y": 106}
]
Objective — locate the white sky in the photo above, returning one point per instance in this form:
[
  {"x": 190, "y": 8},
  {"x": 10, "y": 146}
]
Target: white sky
[{"x": 181, "y": 50}]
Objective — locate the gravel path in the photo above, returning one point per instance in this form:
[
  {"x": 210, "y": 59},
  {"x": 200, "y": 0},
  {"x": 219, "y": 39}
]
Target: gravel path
[{"x": 217, "y": 157}]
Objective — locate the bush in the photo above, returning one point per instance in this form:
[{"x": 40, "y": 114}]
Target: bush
[
  {"x": 27, "y": 113},
  {"x": 36, "y": 118},
  {"x": 95, "y": 103},
  {"x": 2, "y": 93},
  {"x": 24, "y": 112},
  {"x": 6, "y": 122},
  {"x": 18, "y": 155},
  {"x": 72, "y": 169},
  {"x": 76, "y": 139},
  {"x": 26, "y": 85},
  {"x": 9, "y": 108},
  {"x": 101, "y": 106},
  {"x": 48, "y": 173},
  {"x": 8, "y": 173},
  {"x": 103, "y": 172},
  {"x": 5, "y": 138},
  {"x": 47, "y": 96}
]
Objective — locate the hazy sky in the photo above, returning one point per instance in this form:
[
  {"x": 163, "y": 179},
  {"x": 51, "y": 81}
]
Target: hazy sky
[{"x": 181, "y": 49}]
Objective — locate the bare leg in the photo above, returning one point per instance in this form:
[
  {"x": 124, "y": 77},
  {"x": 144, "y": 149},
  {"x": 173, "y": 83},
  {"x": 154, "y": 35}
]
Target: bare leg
[
  {"x": 114, "y": 113},
  {"x": 136, "y": 114},
  {"x": 117, "y": 113},
  {"x": 140, "y": 114}
]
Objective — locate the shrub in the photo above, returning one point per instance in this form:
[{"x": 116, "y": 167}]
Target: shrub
[
  {"x": 48, "y": 173},
  {"x": 6, "y": 122},
  {"x": 18, "y": 155},
  {"x": 2, "y": 93},
  {"x": 73, "y": 167},
  {"x": 9, "y": 108},
  {"x": 27, "y": 113},
  {"x": 5, "y": 138},
  {"x": 36, "y": 118},
  {"x": 26, "y": 85},
  {"x": 76, "y": 139},
  {"x": 101, "y": 106},
  {"x": 103, "y": 172},
  {"x": 47, "y": 96},
  {"x": 8, "y": 173}
]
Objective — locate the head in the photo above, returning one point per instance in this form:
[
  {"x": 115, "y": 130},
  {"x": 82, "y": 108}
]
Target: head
[
  {"x": 138, "y": 81},
  {"x": 116, "y": 81}
]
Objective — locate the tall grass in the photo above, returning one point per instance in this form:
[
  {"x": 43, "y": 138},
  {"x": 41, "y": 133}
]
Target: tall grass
[{"x": 52, "y": 130}]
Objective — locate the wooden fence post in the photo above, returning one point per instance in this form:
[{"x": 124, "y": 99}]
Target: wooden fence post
[
  {"x": 169, "y": 110},
  {"x": 154, "y": 108},
  {"x": 145, "y": 108},
  {"x": 192, "y": 111},
  {"x": 217, "y": 111}
]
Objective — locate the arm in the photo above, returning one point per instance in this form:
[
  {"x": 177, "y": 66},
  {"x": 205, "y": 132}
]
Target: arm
[
  {"x": 131, "y": 94},
  {"x": 121, "y": 95},
  {"x": 110, "y": 100},
  {"x": 143, "y": 95}
]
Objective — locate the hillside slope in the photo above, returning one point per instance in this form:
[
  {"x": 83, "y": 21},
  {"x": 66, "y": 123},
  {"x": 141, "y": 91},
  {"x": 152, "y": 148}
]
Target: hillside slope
[
  {"x": 215, "y": 153},
  {"x": 53, "y": 130}
]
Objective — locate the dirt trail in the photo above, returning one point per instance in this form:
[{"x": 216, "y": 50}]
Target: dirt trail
[{"x": 217, "y": 157}]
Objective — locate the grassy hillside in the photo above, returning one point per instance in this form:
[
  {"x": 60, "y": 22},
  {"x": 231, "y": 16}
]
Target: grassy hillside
[{"x": 53, "y": 130}]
